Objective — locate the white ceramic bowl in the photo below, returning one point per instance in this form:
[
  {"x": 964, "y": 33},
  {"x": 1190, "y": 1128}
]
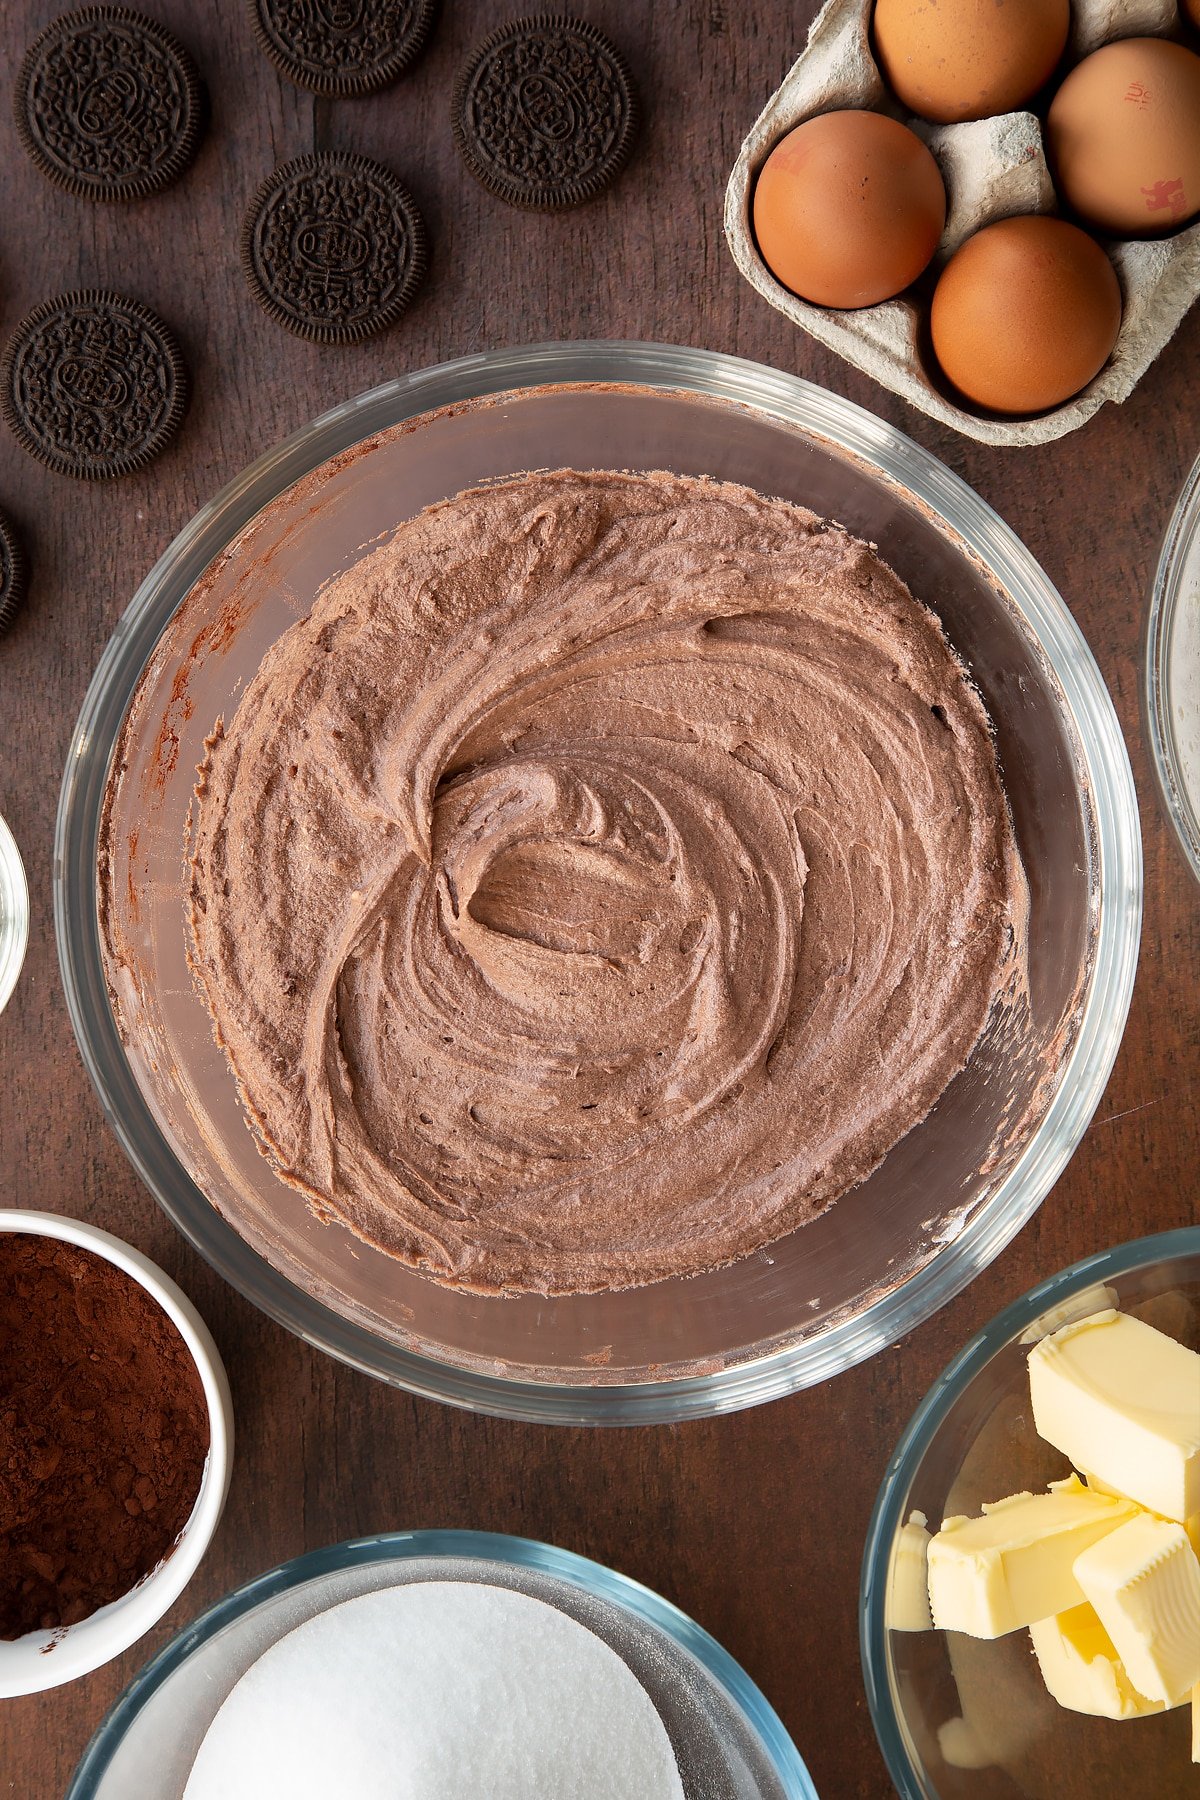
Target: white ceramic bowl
[
  {"x": 47, "y": 1659},
  {"x": 14, "y": 914}
]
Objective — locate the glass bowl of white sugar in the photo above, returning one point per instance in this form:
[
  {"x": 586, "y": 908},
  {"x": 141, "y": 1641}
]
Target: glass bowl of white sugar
[
  {"x": 1172, "y": 669},
  {"x": 363, "y": 1628}
]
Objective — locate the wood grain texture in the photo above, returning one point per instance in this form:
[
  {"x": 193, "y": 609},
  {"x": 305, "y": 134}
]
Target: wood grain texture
[{"x": 754, "y": 1524}]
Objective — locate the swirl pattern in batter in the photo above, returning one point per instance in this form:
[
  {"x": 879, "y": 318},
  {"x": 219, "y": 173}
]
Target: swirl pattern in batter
[{"x": 599, "y": 881}]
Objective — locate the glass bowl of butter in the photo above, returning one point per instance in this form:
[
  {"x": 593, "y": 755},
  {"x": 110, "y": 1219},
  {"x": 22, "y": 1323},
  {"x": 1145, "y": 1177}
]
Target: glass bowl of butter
[{"x": 1030, "y": 1607}]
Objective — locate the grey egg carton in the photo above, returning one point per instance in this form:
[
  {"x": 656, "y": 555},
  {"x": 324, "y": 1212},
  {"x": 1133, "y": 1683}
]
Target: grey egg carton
[{"x": 992, "y": 168}]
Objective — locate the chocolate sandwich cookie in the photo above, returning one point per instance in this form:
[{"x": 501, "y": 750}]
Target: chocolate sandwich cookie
[
  {"x": 544, "y": 112},
  {"x": 109, "y": 104},
  {"x": 93, "y": 384},
  {"x": 14, "y": 574},
  {"x": 334, "y": 247},
  {"x": 341, "y": 48}
]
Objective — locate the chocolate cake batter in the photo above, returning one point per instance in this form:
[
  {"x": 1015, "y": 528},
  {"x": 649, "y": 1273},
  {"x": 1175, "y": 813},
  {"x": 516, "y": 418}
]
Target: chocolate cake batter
[{"x": 599, "y": 881}]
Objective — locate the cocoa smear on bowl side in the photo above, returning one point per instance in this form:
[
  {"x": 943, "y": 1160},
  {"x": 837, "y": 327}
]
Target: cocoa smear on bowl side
[{"x": 103, "y": 1433}]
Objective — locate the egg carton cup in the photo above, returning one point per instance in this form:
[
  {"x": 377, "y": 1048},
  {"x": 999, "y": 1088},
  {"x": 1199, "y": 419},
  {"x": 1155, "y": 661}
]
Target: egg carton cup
[{"x": 992, "y": 168}]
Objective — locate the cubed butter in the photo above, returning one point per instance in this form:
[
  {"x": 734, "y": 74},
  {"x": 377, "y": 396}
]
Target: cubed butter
[
  {"x": 908, "y": 1588},
  {"x": 1081, "y": 1668},
  {"x": 1193, "y": 1531},
  {"x": 1123, "y": 1400},
  {"x": 1088, "y": 1300},
  {"x": 1101, "y": 1487},
  {"x": 1015, "y": 1564},
  {"x": 1143, "y": 1579},
  {"x": 961, "y": 1746}
]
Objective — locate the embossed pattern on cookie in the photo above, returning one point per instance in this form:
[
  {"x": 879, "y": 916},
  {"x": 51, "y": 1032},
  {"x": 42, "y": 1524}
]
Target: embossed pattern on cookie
[
  {"x": 334, "y": 247},
  {"x": 545, "y": 113},
  {"x": 108, "y": 104},
  {"x": 14, "y": 574},
  {"x": 93, "y": 384},
  {"x": 342, "y": 48}
]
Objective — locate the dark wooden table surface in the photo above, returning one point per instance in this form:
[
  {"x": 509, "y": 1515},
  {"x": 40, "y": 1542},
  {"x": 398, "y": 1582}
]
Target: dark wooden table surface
[{"x": 754, "y": 1523}]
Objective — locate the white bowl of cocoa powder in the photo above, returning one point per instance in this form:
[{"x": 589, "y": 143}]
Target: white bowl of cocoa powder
[{"x": 116, "y": 1440}]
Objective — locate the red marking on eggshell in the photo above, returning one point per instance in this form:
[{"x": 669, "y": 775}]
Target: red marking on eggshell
[{"x": 1165, "y": 195}]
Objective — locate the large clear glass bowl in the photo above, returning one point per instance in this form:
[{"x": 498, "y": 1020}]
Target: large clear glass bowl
[
  {"x": 944, "y": 1202},
  {"x": 729, "y": 1743},
  {"x": 941, "y": 1701},
  {"x": 1172, "y": 669}
]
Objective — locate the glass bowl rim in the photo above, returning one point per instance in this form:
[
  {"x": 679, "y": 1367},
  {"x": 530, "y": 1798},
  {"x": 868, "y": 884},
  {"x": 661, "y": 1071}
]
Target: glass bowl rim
[
  {"x": 1183, "y": 529},
  {"x": 919, "y": 1433},
  {"x": 893, "y": 458},
  {"x": 480, "y": 1546}
]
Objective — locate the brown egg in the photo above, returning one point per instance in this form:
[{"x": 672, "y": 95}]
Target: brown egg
[
  {"x": 1123, "y": 133},
  {"x": 1025, "y": 313},
  {"x": 848, "y": 208},
  {"x": 1190, "y": 12},
  {"x": 968, "y": 59}
]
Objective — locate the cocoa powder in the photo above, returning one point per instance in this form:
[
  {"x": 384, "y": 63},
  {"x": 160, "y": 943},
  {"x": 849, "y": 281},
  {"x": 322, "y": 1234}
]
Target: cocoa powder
[{"x": 103, "y": 1433}]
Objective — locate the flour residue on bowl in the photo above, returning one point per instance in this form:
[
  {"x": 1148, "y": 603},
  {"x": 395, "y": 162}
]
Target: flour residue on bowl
[{"x": 1183, "y": 690}]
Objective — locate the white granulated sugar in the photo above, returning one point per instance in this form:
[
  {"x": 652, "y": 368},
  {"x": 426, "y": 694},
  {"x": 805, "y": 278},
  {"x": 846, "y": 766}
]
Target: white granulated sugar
[
  {"x": 438, "y": 1691},
  {"x": 1184, "y": 688}
]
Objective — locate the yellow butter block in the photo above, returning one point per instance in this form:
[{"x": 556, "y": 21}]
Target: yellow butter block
[
  {"x": 1081, "y": 1668},
  {"x": 1144, "y": 1581},
  {"x": 907, "y": 1606},
  {"x": 961, "y": 1746},
  {"x": 1123, "y": 1400},
  {"x": 1102, "y": 1487},
  {"x": 1097, "y": 1298},
  {"x": 1193, "y": 1530},
  {"x": 1015, "y": 1564}
]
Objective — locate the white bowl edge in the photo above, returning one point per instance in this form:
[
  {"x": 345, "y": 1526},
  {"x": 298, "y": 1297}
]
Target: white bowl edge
[
  {"x": 14, "y": 892},
  {"x": 47, "y": 1659}
]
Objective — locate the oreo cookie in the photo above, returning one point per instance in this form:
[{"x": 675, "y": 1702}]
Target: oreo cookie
[
  {"x": 334, "y": 247},
  {"x": 93, "y": 384},
  {"x": 342, "y": 48},
  {"x": 14, "y": 574},
  {"x": 109, "y": 104},
  {"x": 545, "y": 112}
]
